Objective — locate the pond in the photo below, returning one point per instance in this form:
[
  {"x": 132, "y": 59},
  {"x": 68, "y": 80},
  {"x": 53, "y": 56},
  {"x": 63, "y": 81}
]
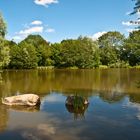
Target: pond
[{"x": 113, "y": 112}]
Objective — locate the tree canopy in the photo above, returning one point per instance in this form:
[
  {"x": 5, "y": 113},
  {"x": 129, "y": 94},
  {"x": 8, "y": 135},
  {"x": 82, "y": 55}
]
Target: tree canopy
[
  {"x": 2, "y": 27},
  {"x": 111, "y": 39},
  {"x": 4, "y": 53},
  {"x": 136, "y": 11}
]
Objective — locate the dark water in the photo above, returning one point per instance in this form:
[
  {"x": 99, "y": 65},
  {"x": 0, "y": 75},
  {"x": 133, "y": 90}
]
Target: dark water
[{"x": 113, "y": 112}]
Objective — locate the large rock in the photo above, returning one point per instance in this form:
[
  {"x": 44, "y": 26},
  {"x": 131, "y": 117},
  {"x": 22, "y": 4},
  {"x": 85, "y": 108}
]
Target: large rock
[{"x": 23, "y": 100}]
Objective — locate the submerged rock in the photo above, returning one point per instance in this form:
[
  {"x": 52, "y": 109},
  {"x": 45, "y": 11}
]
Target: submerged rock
[
  {"x": 77, "y": 105},
  {"x": 22, "y": 100},
  {"x": 72, "y": 100}
]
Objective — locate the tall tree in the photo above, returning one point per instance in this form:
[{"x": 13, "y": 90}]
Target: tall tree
[
  {"x": 136, "y": 11},
  {"x": 4, "y": 53},
  {"x": 137, "y": 7},
  {"x": 111, "y": 39},
  {"x": 23, "y": 56},
  {"x": 42, "y": 49},
  {"x": 131, "y": 49},
  {"x": 81, "y": 52},
  {"x": 2, "y": 27}
]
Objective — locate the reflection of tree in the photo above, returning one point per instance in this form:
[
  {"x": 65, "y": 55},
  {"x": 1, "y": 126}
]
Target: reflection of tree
[
  {"x": 138, "y": 84},
  {"x": 3, "y": 118},
  {"x": 134, "y": 98},
  {"x": 25, "y": 108},
  {"x": 78, "y": 112},
  {"x": 84, "y": 81},
  {"x": 111, "y": 97}
]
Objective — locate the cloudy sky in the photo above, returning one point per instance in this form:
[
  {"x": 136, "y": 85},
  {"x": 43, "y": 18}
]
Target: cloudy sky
[{"x": 56, "y": 20}]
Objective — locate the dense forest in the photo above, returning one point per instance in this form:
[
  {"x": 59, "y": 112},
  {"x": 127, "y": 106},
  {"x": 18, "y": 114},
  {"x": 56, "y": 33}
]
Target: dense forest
[{"x": 112, "y": 49}]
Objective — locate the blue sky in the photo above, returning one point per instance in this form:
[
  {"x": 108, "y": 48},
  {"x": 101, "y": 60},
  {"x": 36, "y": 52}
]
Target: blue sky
[{"x": 56, "y": 20}]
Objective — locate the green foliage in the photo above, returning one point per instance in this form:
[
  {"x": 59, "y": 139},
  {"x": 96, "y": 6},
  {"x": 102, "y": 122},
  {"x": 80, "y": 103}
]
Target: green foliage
[
  {"x": 136, "y": 11},
  {"x": 23, "y": 56},
  {"x": 78, "y": 102},
  {"x": 111, "y": 39},
  {"x": 82, "y": 53},
  {"x": 42, "y": 48},
  {"x": 108, "y": 55},
  {"x": 131, "y": 49},
  {"x": 119, "y": 64},
  {"x": 110, "y": 45},
  {"x": 45, "y": 68},
  {"x": 35, "y": 52},
  {"x": 56, "y": 54},
  {"x": 4, "y": 53},
  {"x": 137, "y": 67},
  {"x": 137, "y": 7},
  {"x": 103, "y": 67},
  {"x": 2, "y": 27}
]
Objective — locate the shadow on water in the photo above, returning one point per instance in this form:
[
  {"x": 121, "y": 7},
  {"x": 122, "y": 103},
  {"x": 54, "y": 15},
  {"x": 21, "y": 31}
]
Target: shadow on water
[{"x": 24, "y": 108}]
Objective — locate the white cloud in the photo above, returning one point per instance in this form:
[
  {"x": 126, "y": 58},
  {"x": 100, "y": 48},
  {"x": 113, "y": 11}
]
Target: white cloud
[
  {"x": 131, "y": 23},
  {"x": 138, "y": 13},
  {"x": 16, "y": 38},
  {"x": 127, "y": 23},
  {"x": 31, "y": 30},
  {"x": 97, "y": 35},
  {"x": 45, "y": 2},
  {"x": 128, "y": 13},
  {"x": 131, "y": 30},
  {"x": 50, "y": 30},
  {"x": 36, "y": 22},
  {"x": 34, "y": 27}
]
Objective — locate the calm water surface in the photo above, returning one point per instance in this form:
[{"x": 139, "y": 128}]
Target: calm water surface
[{"x": 113, "y": 112}]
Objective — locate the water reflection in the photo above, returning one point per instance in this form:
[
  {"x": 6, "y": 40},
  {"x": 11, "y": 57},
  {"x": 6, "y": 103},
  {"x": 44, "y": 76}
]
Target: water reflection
[
  {"x": 103, "y": 121},
  {"x": 41, "y": 82},
  {"x": 4, "y": 116},
  {"x": 79, "y": 113},
  {"x": 77, "y": 105},
  {"x": 113, "y": 113},
  {"x": 138, "y": 84},
  {"x": 24, "y": 108},
  {"x": 111, "y": 97}
]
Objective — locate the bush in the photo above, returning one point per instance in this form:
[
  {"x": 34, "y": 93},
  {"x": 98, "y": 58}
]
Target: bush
[
  {"x": 119, "y": 64},
  {"x": 103, "y": 67}
]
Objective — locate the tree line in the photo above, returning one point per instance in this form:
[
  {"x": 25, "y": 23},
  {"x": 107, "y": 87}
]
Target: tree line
[{"x": 112, "y": 49}]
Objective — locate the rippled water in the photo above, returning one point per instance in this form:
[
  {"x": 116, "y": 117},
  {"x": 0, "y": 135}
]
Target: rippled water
[{"x": 113, "y": 112}]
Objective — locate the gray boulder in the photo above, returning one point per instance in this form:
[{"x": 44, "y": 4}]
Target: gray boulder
[{"x": 22, "y": 100}]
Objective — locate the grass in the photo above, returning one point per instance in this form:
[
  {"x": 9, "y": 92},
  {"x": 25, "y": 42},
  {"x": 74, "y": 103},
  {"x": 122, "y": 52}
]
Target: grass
[
  {"x": 45, "y": 68},
  {"x": 137, "y": 67},
  {"x": 103, "y": 67},
  {"x": 72, "y": 68}
]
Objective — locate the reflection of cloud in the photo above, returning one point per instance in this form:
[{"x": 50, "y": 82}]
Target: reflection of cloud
[
  {"x": 46, "y": 129},
  {"x": 53, "y": 98},
  {"x": 136, "y": 106},
  {"x": 29, "y": 136}
]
